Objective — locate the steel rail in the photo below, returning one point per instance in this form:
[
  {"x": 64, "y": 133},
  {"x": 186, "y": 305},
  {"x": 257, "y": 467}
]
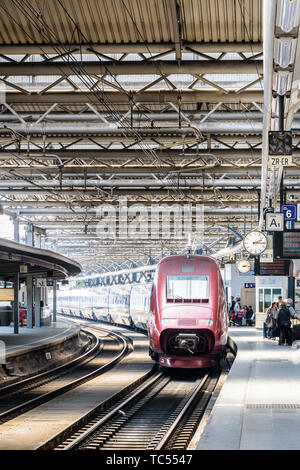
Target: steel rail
[
  {"x": 17, "y": 386},
  {"x": 21, "y": 408}
]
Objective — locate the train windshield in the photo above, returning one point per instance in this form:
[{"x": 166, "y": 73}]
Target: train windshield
[{"x": 181, "y": 288}]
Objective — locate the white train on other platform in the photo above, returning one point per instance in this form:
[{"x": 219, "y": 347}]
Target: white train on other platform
[{"x": 124, "y": 305}]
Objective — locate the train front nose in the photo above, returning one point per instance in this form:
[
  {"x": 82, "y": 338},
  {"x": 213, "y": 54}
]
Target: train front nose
[{"x": 180, "y": 342}]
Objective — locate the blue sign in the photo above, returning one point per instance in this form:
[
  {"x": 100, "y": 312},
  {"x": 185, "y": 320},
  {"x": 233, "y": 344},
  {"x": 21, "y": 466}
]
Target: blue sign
[
  {"x": 249, "y": 285},
  {"x": 249, "y": 273},
  {"x": 290, "y": 211}
]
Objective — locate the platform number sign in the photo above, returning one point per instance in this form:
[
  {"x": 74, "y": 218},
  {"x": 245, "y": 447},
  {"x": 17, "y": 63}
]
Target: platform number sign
[
  {"x": 280, "y": 143},
  {"x": 274, "y": 222},
  {"x": 290, "y": 211}
]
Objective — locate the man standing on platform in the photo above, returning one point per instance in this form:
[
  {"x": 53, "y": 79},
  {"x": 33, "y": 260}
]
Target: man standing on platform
[{"x": 284, "y": 325}]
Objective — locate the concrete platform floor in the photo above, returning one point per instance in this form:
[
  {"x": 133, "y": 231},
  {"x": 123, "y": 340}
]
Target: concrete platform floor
[
  {"x": 259, "y": 405},
  {"x": 30, "y": 338}
]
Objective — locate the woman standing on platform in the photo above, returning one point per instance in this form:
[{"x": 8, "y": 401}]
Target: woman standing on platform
[
  {"x": 284, "y": 325},
  {"x": 271, "y": 318}
]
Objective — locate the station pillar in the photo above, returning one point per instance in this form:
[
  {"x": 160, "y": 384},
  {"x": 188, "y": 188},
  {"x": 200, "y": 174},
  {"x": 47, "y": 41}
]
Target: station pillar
[
  {"x": 30, "y": 235},
  {"x": 29, "y": 302},
  {"x": 54, "y": 301},
  {"x": 16, "y": 229},
  {"x": 37, "y": 306},
  {"x": 16, "y": 303}
]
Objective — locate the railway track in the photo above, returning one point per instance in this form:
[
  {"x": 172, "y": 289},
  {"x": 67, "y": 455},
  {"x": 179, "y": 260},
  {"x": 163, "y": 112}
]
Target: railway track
[
  {"x": 105, "y": 352},
  {"x": 162, "y": 413}
]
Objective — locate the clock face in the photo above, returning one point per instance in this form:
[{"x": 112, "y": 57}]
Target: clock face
[
  {"x": 255, "y": 242},
  {"x": 243, "y": 266}
]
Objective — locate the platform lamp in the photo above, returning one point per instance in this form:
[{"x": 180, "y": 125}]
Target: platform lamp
[{"x": 288, "y": 14}]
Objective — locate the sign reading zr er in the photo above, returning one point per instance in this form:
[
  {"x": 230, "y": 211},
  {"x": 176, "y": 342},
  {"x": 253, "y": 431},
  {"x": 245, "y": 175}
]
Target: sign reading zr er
[
  {"x": 287, "y": 160},
  {"x": 280, "y": 148}
]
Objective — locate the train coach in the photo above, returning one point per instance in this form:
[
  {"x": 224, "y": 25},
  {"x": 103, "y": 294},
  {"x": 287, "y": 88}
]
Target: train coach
[{"x": 183, "y": 310}]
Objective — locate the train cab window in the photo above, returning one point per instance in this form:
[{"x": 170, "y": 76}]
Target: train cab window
[{"x": 187, "y": 288}]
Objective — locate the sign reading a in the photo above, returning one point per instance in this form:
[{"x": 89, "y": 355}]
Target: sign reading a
[
  {"x": 274, "y": 222},
  {"x": 290, "y": 211}
]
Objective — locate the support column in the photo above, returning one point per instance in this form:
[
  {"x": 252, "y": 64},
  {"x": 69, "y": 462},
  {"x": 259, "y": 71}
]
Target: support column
[
  {"x": 54, "y": 301},
  {"x": 281, "y": 128},
  {"x": 29, "y": 302},
  {"x": 30, "y": 235},
  {"x": 37, "y": 306},
  {"x": 16, "y": 229},
  {"x": 16, "y": 303}
]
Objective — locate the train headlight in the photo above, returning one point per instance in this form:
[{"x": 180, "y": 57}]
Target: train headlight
[
  {"x": 169, "y": 321},
  {"x": 205, "y": 322}
]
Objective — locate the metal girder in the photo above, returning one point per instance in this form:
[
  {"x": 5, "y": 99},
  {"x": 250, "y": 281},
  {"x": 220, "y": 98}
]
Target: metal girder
[
  {"x": 131, "y": 48},
  {"x": 98, "y": 128},
  {"x": 157, "y": 67},
  {"x": 51, "y": 211},
  {"x": 42, "y": 186},
  {"x": 121, "y": 154},
  {"x": 136, "y": 115},
  {"x": 139, "y": 182},
  {"x": 88, "y": 170},
  {"x": 132, "y": 96}
]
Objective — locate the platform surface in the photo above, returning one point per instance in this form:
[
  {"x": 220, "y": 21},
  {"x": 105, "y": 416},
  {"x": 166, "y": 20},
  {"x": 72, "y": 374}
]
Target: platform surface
[
  {"x": 29, "y": 338},
  {"x": 259, "y": 405}
]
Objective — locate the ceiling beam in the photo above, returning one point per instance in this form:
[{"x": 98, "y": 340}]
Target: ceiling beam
[
  {"x": 130, "y": 48},
  {"x": 133, "y": 96},
  {"x": 158, "y": 67},
  {"x": 109, "y": 155}
]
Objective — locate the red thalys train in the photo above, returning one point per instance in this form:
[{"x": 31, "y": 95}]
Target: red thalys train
[
  {"x": 188, "y": 319},
  {"x": 184, "y": 310}
]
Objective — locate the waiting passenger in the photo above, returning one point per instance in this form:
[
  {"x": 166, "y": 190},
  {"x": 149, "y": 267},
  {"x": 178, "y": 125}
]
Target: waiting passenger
[
  {"x": 249, "y": 314},
  {"x": 289, "y": 303},
  {"x": 271, "y": 318},
  {"x": 238, "y": 311},
  {"x": 284, "y": 325},
  {"x": 279, "y": 301}
]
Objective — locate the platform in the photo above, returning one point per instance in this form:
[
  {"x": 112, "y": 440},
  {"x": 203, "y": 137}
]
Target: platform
[
  {"x": 259, "y": 405},
  {"x": 29, "y": 339}
]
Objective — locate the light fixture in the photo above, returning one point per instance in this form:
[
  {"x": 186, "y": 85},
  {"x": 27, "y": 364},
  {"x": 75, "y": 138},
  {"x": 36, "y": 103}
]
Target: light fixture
[
  {"x": 284, "y": 51},
  {"x": 281, "y": 82},
  {"x": 287, "y": 14}
]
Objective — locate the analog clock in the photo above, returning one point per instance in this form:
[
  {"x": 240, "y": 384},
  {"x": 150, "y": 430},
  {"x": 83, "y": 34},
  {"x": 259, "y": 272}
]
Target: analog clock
[
  {"x": 243, "y": 266},
  {"x": 255, "y": 242}
]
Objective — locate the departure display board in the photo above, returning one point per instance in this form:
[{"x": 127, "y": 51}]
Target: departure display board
[
  {"x": 287, "y": 244},
  {"x": 279, "y": 267}
]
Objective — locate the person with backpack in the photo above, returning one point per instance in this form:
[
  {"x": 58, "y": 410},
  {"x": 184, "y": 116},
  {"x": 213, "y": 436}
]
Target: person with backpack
[
  {"x": 283, "y": 322},
  {"x": 271, "y": 319}
]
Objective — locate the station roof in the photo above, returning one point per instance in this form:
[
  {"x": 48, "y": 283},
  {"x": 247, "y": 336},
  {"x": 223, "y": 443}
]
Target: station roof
[
  {"x": 38, "y": 261},
  {"x": 130, "y": 22},
  {"x": 157, "y": 101}
]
